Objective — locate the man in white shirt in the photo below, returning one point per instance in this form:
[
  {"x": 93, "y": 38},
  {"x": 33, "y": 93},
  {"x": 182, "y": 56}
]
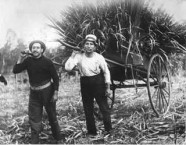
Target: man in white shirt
[{"x": 95, "y": 82}]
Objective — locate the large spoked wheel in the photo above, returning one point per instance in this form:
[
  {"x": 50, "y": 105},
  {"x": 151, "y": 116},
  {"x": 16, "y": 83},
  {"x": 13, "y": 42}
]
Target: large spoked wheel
[{"x": 158, "y": 85}]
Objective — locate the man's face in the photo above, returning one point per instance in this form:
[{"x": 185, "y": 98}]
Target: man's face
[
  {"x": 37, "y": 50},
  {"x": 89, "y": 47}
]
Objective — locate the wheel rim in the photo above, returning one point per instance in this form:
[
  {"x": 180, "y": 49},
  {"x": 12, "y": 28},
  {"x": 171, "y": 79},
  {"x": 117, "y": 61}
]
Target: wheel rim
[{"x": 158, "y": 85}]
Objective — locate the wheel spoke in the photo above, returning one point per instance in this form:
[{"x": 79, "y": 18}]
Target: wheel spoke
[
  {"x": 164, "y": 71},
  {"x": 166, "y": 91},
  {"x": 157, "y": 98},
  {"x": 164, "y": 97},
  {"x": 157, "y": 72},
  {"x": 154, "y": 80},
  {"x": 162, "y": 67},
  {"x": 154, "y": 77},
  {"x": 159, "y": 66},
  {"x": 163, "y": 105},
  {"x": 153, "y": 74},
  {"x": 165, "y": 74},
  {"x": 154, "y": 68},
  {"x": 154, "y": 92}
]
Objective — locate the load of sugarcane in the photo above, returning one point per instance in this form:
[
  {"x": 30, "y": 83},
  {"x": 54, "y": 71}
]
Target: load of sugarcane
[{"x": 123, "y": 28}]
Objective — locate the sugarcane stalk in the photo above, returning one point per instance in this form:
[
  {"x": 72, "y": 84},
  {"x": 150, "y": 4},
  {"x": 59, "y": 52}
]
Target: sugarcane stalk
[
  {"x": 130, "y": 40},
  {"x": 69, "y": 46},
  {"x": 76, "y": 48}
]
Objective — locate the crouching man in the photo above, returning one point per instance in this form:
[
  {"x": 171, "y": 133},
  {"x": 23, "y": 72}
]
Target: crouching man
[{"x": 44, "y": 83}]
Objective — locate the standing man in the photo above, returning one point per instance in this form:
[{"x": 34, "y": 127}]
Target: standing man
[
  {"x": 44, "y": 83},
  {"x": 95, "y": 83}
]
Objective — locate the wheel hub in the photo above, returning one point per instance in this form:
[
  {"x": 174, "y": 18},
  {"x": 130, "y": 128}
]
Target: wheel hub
[{"x": 162, "y": 85}]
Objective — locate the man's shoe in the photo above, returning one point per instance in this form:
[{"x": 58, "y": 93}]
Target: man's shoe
[
  {"x": 61, "y": 140},
  {"x": 91, "y": 135},
  {"x": 34, "y": 137},
  {"x": 107, "y": 133}
]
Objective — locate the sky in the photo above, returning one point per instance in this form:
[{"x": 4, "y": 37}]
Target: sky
[{"x": 27, "y": 18}]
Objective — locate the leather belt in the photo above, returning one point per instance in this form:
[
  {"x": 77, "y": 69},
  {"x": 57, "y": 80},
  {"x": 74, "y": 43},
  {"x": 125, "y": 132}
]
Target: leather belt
[{"x": 40, "y": 87}]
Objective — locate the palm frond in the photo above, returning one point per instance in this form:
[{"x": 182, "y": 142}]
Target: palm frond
[{"x": 122, "y": 27}]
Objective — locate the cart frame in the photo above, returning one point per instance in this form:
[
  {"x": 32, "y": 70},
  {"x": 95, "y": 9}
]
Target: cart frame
[
  {"x": 155, "y": 77},
  {"x": 154, "y": 74}
]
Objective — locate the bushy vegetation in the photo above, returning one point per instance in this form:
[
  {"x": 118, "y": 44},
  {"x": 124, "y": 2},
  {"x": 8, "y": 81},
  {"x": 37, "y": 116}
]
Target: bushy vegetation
[{"x": 123, "y": 27}]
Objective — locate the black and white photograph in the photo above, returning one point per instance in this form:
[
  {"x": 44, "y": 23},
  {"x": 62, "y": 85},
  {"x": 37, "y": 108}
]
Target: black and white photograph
[{"x": 93, "y": 72}]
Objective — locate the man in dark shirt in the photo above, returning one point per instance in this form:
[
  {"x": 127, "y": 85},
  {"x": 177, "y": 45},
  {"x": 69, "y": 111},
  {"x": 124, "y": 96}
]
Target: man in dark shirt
[{"x": 44, "y": 83}]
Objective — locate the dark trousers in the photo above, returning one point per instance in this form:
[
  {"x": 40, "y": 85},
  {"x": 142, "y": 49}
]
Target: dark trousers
[
  {"x": 38, "y": 100},
  {"x": 94, "y": 88}
]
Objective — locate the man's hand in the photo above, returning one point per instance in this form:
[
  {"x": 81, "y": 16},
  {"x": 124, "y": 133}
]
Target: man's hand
[
  {"x": 22, "y": 57},
  {"x": 74, "y": 54},
  {"x": 55, "y": 96},
  {"x": 107, "y": 90}
]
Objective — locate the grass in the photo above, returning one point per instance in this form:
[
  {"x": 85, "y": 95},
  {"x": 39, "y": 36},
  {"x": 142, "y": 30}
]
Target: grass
[{"x": 132, "y": 117}]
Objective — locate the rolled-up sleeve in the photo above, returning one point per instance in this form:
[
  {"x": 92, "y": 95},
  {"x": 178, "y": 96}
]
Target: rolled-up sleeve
[{"x": 104, "y": 68}]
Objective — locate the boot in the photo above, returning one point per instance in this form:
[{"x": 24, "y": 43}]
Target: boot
[
  {"x": 34, "y": 137},
  {"x": 56, "y": 131}
]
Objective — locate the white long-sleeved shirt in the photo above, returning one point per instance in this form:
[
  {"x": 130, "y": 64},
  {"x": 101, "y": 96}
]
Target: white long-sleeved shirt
[{"x": 89, "y": 66}]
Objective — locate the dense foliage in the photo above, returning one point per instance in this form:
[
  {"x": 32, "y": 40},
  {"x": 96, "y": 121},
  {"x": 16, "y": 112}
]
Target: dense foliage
[{"x": 122, "y": 27}]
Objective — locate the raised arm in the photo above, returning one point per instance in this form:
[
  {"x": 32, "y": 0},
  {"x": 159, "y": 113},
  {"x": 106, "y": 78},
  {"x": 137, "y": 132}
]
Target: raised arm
[
  {"x": 72, "y": 61},
  {"x": 20, "y": 65}
]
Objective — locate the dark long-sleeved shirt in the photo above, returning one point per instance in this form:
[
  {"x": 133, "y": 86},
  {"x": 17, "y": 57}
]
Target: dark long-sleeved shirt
[{"x": 39, "y": 70}]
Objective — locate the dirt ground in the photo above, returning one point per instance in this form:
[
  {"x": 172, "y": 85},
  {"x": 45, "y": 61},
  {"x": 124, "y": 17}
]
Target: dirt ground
[{"x": 133, "y": 120}]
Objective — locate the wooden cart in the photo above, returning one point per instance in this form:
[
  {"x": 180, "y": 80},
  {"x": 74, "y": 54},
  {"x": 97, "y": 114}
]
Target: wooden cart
[{"x": 152, "y": 73}]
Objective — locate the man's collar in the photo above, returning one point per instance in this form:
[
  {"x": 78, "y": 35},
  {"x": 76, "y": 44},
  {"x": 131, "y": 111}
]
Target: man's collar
[{"x": 38, "y": 57}]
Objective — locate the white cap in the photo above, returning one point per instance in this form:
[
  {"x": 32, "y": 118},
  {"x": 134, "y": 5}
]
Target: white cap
[{"x": 91, "y": 37}]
